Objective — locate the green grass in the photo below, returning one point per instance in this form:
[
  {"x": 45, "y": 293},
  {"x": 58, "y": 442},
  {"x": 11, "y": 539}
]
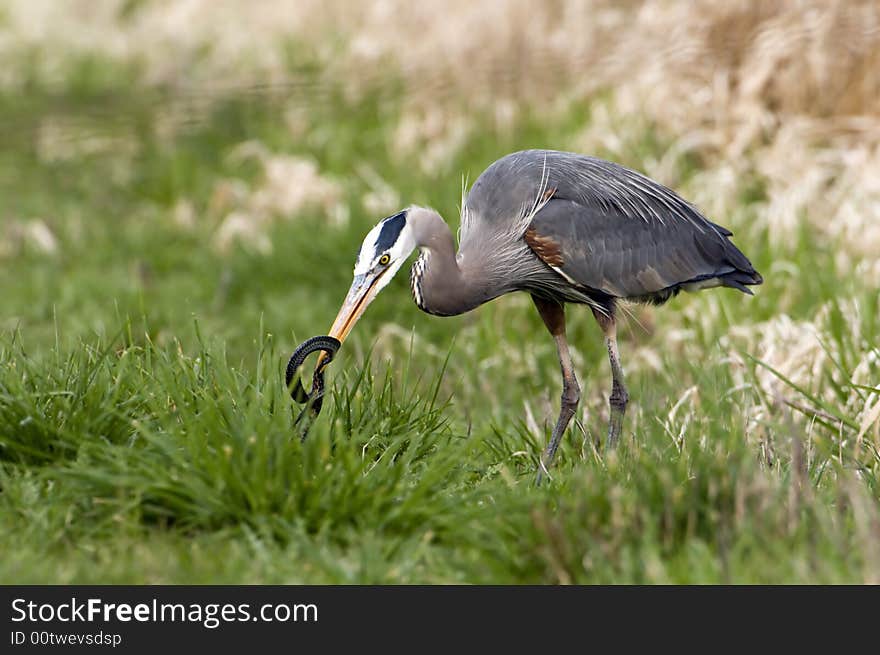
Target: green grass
[{"x": 145, "y": 434}]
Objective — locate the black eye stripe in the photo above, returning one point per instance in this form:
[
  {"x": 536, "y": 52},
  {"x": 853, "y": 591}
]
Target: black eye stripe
[{"x": 390, "y": 231}]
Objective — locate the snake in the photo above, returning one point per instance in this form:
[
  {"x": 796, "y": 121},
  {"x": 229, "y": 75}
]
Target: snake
[{"x": 312, "y": 399}]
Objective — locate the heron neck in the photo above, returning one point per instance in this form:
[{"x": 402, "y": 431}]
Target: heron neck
[{"x": 440, "y": 285}]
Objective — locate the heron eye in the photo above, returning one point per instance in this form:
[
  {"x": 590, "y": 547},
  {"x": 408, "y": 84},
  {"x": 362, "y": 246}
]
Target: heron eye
[{"x": 384, "y": 259}]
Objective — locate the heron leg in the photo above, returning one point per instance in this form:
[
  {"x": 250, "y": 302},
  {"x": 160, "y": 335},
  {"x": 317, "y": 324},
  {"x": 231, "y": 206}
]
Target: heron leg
[
  {"x": 553, "y": 314},
  {"x": 619, "y": 396}
]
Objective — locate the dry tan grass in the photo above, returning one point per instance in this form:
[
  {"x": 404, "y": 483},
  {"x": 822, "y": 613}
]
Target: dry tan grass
[
  {"x": 33, "y": 234},
  {"x": 733, "y": 67},
  {"x": 806, "y": 354},
  {"x": 288, "y": 186}
]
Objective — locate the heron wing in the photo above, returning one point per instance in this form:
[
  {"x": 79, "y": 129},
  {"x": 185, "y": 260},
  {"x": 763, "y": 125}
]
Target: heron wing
[{"x": 625, "y": 253}]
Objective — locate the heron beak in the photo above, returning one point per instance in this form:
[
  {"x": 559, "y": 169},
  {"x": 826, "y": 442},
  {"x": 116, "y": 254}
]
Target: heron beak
[{"x": 363, "y": 290}]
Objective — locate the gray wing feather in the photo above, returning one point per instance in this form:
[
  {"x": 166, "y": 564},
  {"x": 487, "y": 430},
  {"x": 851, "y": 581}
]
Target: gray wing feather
[{"x": 606, "y": 250}]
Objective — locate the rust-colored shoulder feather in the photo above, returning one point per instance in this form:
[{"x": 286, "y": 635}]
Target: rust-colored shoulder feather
[{"x": 544, "y": 247}]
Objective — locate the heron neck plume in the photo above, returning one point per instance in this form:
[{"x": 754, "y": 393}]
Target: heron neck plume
[{"x": 440, "y": 285}]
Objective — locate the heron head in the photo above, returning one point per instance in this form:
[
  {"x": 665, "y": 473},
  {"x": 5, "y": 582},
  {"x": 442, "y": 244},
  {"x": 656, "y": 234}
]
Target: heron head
[{"x": 385, "y": 249}]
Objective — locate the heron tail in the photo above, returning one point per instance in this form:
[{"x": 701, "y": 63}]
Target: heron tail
[{"x": 739, "y": 280}]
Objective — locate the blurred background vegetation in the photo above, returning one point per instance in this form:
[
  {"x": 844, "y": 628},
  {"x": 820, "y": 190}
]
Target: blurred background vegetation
[{"x": 184, "y": 185}]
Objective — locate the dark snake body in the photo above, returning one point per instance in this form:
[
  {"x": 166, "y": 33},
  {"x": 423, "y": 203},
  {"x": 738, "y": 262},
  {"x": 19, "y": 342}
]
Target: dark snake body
[{"x": 314, "y": 398}]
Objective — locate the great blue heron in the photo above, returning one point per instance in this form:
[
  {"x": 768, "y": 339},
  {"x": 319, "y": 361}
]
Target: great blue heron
[{"x": 565, "y": 228}]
